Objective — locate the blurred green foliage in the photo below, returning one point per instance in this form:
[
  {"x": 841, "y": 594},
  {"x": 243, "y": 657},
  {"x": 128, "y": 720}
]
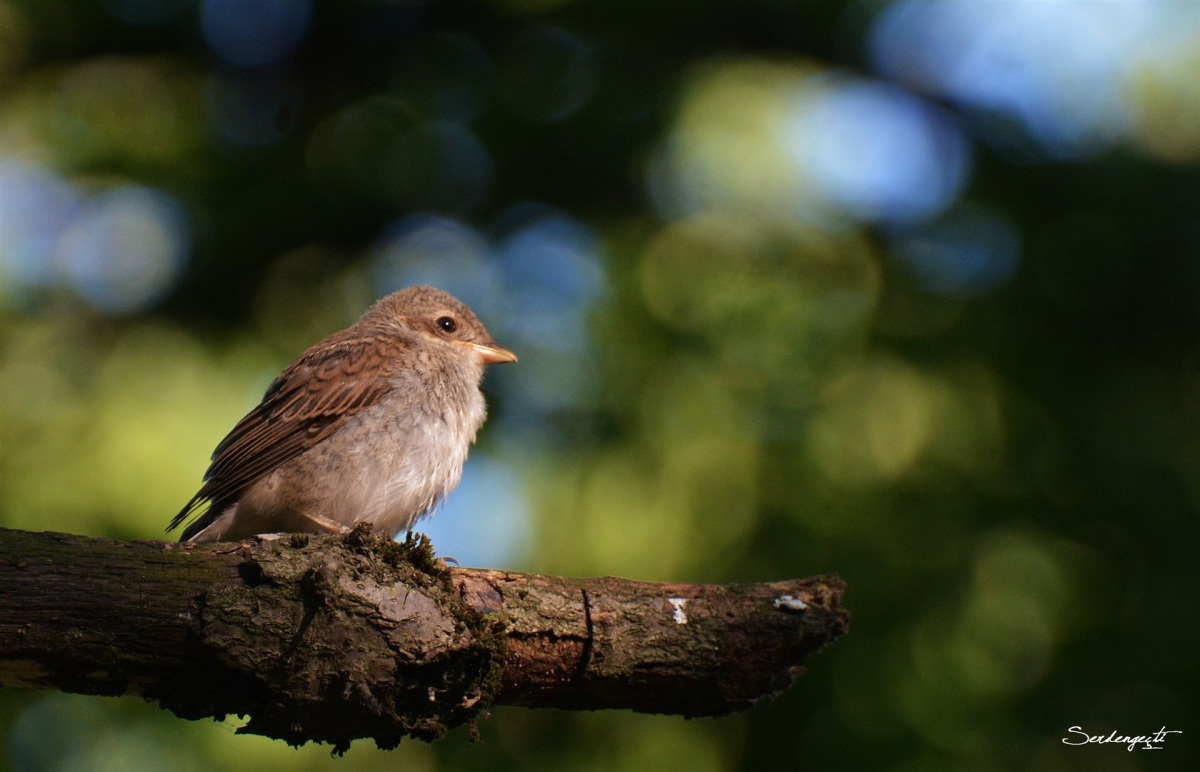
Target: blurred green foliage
[{"x": 975, "y": 397}]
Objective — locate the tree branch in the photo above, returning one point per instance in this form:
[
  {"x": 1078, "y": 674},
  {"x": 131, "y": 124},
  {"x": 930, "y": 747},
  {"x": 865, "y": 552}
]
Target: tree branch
[{"x": 336, "y": 638}]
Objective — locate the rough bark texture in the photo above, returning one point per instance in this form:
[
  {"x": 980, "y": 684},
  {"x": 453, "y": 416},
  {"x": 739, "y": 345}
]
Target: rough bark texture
[{"x": 337, "y": 638}]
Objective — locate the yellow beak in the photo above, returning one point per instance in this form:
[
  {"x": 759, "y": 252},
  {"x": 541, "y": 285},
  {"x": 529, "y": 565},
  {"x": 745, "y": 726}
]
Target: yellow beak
[{"x": 492, "y": 355}]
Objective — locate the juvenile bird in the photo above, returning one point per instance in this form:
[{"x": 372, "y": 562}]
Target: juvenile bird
[{"x": 370, "y": 425}]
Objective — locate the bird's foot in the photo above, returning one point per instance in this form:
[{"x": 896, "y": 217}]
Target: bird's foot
[{"x": 322, "y": 524}]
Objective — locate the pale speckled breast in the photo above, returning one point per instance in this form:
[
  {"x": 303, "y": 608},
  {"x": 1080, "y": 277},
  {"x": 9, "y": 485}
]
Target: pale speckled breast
[{"x": 394, "y": 462}]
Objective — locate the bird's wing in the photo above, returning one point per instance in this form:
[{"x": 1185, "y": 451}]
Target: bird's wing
[{"x": 308, "y": 402}]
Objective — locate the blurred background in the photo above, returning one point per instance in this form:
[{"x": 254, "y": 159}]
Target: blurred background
[{"x": 907, "y": 291}]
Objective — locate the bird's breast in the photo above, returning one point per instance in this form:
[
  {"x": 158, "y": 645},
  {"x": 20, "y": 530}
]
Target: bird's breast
[{"x": 397, "y": 459}]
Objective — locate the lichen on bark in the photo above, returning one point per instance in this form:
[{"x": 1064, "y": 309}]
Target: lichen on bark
[
  {"x": 333, "y": 638},
  {"x": 381, "y": 647}
]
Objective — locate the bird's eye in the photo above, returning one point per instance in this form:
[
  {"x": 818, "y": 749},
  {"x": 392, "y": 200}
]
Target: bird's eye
[{"x": 447, "y": 324}]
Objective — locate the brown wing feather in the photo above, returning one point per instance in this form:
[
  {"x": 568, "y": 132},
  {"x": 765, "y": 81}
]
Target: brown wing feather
[{"x": 309, "y": 401}]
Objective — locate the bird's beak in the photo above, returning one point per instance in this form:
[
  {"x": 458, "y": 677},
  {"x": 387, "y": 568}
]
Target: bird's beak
[{"x": 492, "y": 355}]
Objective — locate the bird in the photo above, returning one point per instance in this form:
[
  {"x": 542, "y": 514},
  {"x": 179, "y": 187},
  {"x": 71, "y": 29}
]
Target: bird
[{"x": 370, "y": 425}]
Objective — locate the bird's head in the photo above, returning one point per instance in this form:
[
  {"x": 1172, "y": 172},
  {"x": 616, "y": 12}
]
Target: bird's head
[{"x": 438, "y": 315}]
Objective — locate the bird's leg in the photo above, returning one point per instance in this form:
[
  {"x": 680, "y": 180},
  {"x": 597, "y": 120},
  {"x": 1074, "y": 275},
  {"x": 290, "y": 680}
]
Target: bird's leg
[{"x": 322, "y": 524}]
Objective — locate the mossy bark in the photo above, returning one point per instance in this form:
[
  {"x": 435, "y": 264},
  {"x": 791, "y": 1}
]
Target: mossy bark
[{"x": 336, "y": 638}]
